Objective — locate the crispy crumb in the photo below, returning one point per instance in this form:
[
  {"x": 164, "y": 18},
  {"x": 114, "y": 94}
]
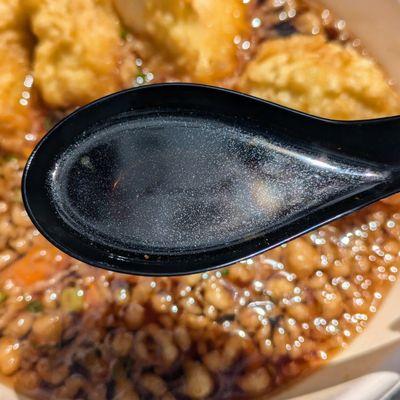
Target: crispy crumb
[{"x": 319, "y": 77}]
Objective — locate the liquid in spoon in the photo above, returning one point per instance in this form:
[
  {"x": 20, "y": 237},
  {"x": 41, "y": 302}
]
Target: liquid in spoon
[{"x": 177, "y": 183}]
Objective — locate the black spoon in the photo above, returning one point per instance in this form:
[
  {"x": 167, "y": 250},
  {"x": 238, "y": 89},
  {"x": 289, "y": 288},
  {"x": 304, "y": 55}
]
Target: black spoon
[{"x": 180, "y": 178}]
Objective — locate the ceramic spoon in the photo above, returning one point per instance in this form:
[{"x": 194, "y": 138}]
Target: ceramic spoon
[{"x": 181, "y": 178}]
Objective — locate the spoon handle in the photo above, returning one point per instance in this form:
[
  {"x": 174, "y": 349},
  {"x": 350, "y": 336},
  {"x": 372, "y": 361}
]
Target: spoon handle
[{"x": 376, "y": 140}]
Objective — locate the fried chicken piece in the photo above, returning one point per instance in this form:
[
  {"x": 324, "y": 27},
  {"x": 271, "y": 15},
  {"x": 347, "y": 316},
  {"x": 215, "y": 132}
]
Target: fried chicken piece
[
  {"x": 197, "y": 36},
  {"x": 19, "y": 117},
  {"x": 79, "y": 50},
  {"x": 319, "y": 77}
]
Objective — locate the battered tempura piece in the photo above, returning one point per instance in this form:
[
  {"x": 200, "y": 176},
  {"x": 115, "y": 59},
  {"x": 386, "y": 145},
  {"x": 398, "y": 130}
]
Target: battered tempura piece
[
  {"x": 12, "y": 15},
  {"x": 319, "y": 77},
  {"x": 197, "y": 36},
  {"x": 79, "y": 50},
  {"x": 17, "y": 113}
]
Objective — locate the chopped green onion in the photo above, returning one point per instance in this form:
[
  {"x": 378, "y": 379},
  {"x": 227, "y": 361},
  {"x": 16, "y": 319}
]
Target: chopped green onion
[
  {"x": 123, "y": 33},
  {"x": 72, "y": 299},
  {"x": 225, "y": 272},
  {"x": 48, "y": 123},
  {"x": 35, "y": 306},
  {"x": 3, "y": 297},
  {"x": 9, "y": 157}
]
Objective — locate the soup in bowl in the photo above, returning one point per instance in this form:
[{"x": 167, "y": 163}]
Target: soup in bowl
[{"x": 71, "y": 331}]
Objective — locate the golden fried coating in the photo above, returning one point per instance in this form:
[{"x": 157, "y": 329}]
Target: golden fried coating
[
  {"x": 318, "y": 77},
  {"x": 12, "y": 15},
  {"x": 197, "y": 36},
  {"x": 79, "y": 50},
  {"x": 17, "y": 112}
]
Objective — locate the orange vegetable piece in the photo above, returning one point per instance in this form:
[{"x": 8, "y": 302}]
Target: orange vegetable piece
[{"x": 41, "y": 262}]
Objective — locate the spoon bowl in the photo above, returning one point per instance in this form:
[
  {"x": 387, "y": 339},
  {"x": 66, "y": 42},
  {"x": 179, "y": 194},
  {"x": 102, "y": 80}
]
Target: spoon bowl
[{"x": 181, "y": 178}]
